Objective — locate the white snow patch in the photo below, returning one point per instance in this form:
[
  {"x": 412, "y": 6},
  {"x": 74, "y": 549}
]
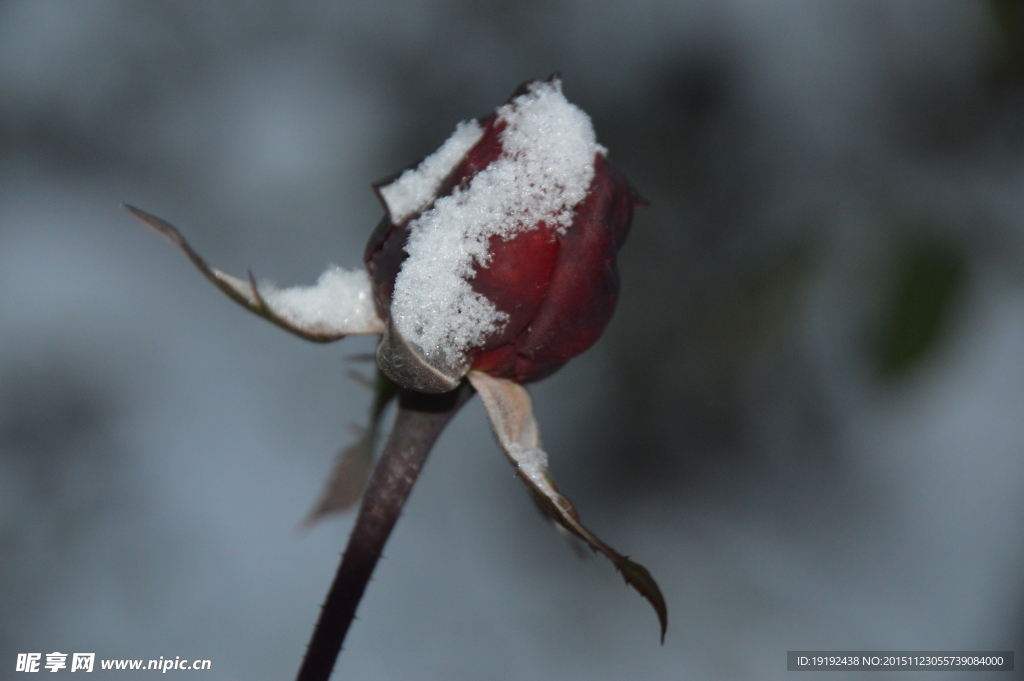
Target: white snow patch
[
  {"x": 416, "y": 188},
  {"x": 340, "y": 302},
  {"x": 544, "y": 171},
  {"x": 533, "y": 463}
]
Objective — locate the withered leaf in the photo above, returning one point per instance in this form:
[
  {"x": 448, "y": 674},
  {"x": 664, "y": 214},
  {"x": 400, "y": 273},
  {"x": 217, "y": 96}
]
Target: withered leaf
[
  {"x": 353, "y": 465},
  {"x": 247, "y": 293},
  {"x": 510, "y": 411}
]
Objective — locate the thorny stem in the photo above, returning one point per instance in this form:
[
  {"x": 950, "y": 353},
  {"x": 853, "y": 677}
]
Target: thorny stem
[{"x": 419, "y": 422}]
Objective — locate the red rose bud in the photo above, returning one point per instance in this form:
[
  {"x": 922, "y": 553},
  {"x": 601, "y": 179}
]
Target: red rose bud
[{"x": 497, "y": 252}]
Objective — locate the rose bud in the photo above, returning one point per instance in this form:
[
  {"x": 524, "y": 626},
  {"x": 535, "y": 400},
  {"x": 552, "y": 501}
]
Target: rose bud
[
  {"x": 497, "y": 252},
  {"x": 495, "y": 262}
]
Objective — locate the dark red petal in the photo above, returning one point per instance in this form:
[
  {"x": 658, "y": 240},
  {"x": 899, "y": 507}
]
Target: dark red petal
[
  {"x": 516, "y": 281},
  {"x": 384, "y": 256},
  {"x": 516, "y": 278},
  {"x": 585, "y": 283},
  {"x": 487, "y": 150},
  {"x": 499, "y": 362},
  {"x": 385, "y": 251}
]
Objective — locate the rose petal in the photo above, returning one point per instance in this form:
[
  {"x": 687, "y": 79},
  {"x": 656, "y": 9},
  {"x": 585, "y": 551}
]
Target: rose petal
[
  {"x": 542, "y": 164},
  {"x": 415, "y": 188}
]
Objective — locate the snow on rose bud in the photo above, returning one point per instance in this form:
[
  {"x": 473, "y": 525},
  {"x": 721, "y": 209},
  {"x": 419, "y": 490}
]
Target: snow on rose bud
[
  {"x": 494, "y": 263},
  {"x": 497, "y": 252}
]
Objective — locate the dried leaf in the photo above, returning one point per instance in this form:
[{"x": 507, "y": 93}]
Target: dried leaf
[
  {"x": 359, "y": 378},
  {"x": 511, "y": 413},
  {"x": 354, "y": 463},
  {"x": 347, "y": 480},
  {"x": 247, "y": 293}
]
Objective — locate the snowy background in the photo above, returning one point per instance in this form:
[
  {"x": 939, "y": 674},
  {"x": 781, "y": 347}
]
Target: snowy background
[{"x": 805, "y": 418}]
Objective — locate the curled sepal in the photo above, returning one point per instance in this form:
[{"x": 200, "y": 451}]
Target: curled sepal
[
  {"x": 340, "y": 304},
  {"x": 511, "y": 413},
  {"x": 405, "y": 364},
  {"x": 353, "y": 464}
]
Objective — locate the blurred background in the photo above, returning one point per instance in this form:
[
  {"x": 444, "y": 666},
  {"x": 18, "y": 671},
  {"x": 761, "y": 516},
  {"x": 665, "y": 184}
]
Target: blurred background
[{"x": 805, "y": 418}]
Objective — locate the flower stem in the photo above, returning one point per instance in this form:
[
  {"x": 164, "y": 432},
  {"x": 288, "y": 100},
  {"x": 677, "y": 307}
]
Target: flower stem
[{"x": 419, "y": 422}]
